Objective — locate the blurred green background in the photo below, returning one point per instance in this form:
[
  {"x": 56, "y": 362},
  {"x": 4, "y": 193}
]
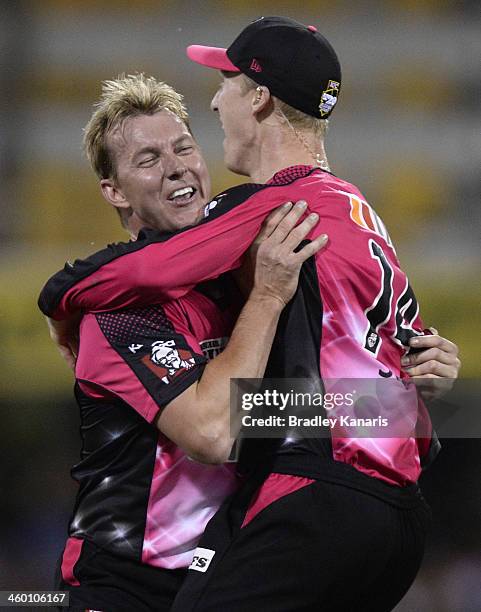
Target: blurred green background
[{"x": 406, "y": 131}]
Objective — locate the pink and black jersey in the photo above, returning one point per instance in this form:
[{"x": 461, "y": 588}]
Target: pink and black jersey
[
  {"x": 352, "y": 316},
  {"x": 140, "y": 496}
]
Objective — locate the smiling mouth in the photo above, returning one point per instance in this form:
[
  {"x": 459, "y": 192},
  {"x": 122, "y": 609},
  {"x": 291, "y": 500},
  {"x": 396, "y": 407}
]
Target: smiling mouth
[{"x": 185, "y": 195}]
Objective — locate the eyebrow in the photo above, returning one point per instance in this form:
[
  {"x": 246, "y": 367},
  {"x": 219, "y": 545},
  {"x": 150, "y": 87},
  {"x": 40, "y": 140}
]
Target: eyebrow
[
  {"x": 147, "y": 149},
  {"x": 154, "y": 148},
  {"x": 184, "y": 137}
]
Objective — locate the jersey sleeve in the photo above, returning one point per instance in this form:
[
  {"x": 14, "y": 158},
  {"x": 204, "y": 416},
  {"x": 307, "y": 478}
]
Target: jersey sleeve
[
  {"x": 159, "y": 267},
  {"x": 140, "y": 356}
]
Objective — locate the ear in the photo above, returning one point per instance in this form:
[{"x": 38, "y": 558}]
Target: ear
[
  {"x": 261, "y": 99},
  {"x": 113, "y": 194}
]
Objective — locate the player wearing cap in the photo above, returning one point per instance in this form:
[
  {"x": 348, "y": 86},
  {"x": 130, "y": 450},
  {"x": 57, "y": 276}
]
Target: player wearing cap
[
  {"x": 345, "y": 513},
  {"x": 318, "y": 534}
]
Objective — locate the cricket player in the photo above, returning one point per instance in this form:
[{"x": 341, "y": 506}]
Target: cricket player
[{"x": 335, "y": 523}]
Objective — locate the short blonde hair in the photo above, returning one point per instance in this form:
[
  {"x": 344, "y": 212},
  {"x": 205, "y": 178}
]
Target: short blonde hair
[
  {"x": 123, "y": 97},
  {"x": 296, "y": 118},
  {"x": 301, "y": 121}
]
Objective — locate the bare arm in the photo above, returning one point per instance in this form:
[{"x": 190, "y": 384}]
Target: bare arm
[
  {"x": 65, "y": 335},
  {"x": 198, "y": 420}
]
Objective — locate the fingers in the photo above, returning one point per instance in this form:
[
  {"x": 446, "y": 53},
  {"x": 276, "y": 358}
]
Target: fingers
[
  {"x": 300, "y": 232},
  {"x": 281, "y": 225},
  {"x": 434, "y": 354},
  {"x": 311, "y": 248},
  {"x": 272, "y": 221},
  {"x": 288, "y": 236},
  {"x": 420, "y": 342},
  {"x": 439, "y": 358},
  {"x": 277, "y": 262},
  {"x": 433, "y": 368},
  {"x": 285, "y": 227}
]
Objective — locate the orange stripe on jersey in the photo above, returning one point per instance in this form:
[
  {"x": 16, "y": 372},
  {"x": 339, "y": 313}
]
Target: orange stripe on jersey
[
  {"x": 368, "y": 218},
  {"x": 356, "y": 211}
]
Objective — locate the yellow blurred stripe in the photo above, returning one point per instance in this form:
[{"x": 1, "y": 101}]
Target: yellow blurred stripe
[
  {"x": 62, "y": 205},
  {"x": 29, "y": 363},
  {"x": 408, "y": 193},
  {"x": 452, "y": 306},
  {"x": 55, "y": 85},
  {"x": 31, "y": 367},
  {"x": 106, "y": 6},
  {"x": 418, "y": 86},
  {"x": 413, "y": 7},
  {"x": 257, "y": 8}
]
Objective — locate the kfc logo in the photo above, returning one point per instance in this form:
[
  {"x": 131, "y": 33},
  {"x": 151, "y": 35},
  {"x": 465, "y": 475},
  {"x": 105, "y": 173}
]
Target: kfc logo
[{"x": 167, "y": 361}]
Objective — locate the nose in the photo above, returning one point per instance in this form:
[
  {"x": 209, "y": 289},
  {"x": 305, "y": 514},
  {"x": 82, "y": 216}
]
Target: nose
[
  {"x": 177, "y": 173},
  {"x": 176, "y": 169}
]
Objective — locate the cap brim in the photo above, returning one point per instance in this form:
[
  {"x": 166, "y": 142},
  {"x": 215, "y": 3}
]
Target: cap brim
[{"x": 212, "y": 57}]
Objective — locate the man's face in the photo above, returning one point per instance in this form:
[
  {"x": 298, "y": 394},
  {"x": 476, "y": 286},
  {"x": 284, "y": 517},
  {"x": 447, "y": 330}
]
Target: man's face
[
  {"x": 171, "y": 360},
  {"x": 160, "y": 172},
  {"x": 233, "y": 102},
  {"x": 168, "y": 358}
]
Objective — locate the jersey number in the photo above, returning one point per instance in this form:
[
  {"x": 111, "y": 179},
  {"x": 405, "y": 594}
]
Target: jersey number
[{"x": 379, "y": 313}]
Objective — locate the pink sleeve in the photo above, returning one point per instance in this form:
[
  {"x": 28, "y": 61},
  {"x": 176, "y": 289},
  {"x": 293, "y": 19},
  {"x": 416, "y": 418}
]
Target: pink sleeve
[
  {"x": 116, "y": 356},
  {"x": 155, "y": 270}
]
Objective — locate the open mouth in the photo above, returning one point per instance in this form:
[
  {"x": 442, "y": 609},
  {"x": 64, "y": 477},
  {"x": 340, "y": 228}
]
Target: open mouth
[{"x": 184, "y": 195}]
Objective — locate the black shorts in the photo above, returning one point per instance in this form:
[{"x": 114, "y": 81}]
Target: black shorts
[
  {"x": 326, "y": 546},
  {"x": 114, "y": 584}
]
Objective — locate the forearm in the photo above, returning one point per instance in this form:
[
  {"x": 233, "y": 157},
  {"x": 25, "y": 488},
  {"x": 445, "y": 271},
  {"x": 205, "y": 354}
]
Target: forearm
[
  {"x": 245, "y": 356},
  {"x": 206, "y": 405}
]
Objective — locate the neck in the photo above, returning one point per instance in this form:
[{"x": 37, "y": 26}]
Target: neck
[
  {"x": 133, "y": 226},
  {"x": 280, "y": 148}
]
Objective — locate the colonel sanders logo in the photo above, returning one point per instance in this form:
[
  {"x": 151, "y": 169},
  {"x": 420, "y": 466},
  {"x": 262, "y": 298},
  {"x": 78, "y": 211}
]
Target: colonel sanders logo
[{"x": 167, "y": 361}]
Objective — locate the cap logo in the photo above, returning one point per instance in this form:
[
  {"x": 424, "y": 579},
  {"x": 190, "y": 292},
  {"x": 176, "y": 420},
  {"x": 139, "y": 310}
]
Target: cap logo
[
  {"x": 255, "y": 66},
  {"x": 329, "y": 98}
]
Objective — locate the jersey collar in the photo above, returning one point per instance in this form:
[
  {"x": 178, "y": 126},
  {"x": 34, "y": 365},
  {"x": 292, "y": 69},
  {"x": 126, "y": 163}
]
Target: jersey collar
[{"x": 290, "y": 174}]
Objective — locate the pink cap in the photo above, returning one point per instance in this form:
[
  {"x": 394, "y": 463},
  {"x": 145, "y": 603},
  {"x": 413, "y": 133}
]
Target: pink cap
[
  {"x": 312, "y": 28},
  {"x": 212, "y": 57}
]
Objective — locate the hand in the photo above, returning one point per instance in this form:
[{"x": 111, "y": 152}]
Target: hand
[
  {"x": 277, "y": 265},
  {"x": 435, "y": 368},
  {"x": 65, "y": 335}
]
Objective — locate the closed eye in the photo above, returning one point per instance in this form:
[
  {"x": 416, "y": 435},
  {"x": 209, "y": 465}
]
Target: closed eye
[
  {"x": 186, "y": 149},
  {"x": 148, "y": 161}
]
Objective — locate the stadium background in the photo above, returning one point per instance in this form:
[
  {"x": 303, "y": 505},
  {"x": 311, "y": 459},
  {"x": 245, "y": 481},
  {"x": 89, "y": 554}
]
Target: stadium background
[{"x": 406, "y": 130}]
